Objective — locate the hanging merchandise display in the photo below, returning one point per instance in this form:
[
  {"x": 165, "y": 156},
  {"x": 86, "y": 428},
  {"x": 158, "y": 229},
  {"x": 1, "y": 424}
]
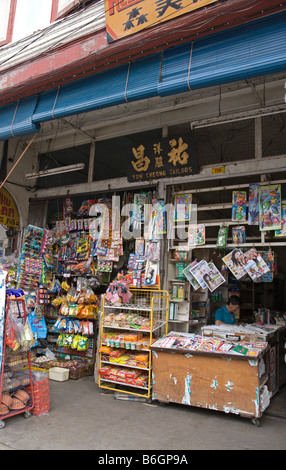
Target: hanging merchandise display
[
  {"x": 238, "y": 235},
  {"x": 269, "y": 258},
  {"x": 190, "y": 277},
  {"x": 182, "y": 207},
  {"x": 270, "y": 207},
  {"x": 282, "y": 232},
  {"x": 253, "y": 204},
  {"x": 199, "y": 271},
  {"x": 31, "y": 263},
  {"x": 157, "y": 221},
  {"x": 239, "y": 199},
  {"x": 206, "y": 275},
  {"x": 222, "y": 236},
  {"x": 196, "y": 235},
  {"x": 234, "y": 262},
  {"x": 254, "y": 264}
]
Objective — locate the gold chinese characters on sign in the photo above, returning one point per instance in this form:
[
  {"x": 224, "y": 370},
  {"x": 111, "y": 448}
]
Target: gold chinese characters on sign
[
  {"x": 125, "y": 17},
  {"x": 164, "y": 158}
]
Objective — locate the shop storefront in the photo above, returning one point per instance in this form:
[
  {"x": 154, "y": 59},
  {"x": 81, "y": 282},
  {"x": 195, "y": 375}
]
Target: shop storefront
[
  {"x": 133, "y": 246},
  {"x": 157, "y": 232}
]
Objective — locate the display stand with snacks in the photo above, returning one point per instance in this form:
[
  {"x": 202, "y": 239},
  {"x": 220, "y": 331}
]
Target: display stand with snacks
[
  {"x": 72, "y": 330},
  {"x": 16, "y": 384},
  {"x": 127, "y": 332}
]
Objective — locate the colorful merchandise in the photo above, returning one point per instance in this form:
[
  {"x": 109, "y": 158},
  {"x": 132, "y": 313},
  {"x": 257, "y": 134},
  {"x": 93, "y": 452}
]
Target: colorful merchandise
[
  {"x": 151, "y": 272},
  {"x": 253, "y": 204},
  {"x": 199, "y": 271},
  {"x": 182, "y": 207},
  {"x": 222, "y": 236},
  {"x": 192, "y": 342},
  {"x": 270, "y": 217},
  {"x": 282, "y": 232},
  {"x": 239, "y": 199},
  {"x": 235, "y": 263},
  {"x": 196, "y": 235},
  {"x": 31, "y": 263},
  {"x": 213, "y": 277},
  {"x": 254, "y": 264},
  {"x": 138, "y": 214},
  {"x": 238, "y": 235},
  {"x": 269, "y": 258},
  {"x": 191, "y": 278},
  {"x": 157, "y": 221}
]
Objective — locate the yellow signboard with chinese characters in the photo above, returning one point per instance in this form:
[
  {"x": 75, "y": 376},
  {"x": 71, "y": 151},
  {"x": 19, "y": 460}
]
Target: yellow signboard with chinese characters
[
  {"x": 163, "y": 158},
  {"x": 125, "y": 17},
  {"x": 9, "y": 215}
]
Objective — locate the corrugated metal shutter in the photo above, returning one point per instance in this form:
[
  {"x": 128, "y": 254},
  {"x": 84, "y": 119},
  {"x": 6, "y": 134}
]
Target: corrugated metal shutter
[{"x": 254, "y": 49}]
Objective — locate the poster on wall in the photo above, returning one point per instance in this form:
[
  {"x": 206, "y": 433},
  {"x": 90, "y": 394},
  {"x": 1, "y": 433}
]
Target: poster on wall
[
  {"x": 128, "y": 17},
  {"x": 270, "y": 207},
  {"x": 162, "y": 158}
]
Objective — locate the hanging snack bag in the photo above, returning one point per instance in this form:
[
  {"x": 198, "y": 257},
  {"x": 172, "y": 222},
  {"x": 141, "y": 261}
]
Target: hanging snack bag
[
  {"x": 82, "y": 344},
  {"x": 75, "y": 341}
]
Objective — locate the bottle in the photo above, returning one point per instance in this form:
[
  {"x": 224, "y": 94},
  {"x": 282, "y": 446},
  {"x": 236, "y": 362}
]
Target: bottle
[{"x": 181, "y": 292}]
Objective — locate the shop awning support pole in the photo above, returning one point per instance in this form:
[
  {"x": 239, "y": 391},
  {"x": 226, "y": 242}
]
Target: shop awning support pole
[{"x": 14, "y": 166}]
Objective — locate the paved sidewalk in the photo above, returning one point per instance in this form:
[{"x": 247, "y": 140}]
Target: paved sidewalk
[{"x": 82, "y": 417}]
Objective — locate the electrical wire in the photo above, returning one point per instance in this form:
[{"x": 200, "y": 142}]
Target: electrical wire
[
  {"x": 199, "y": 24},
  {"x": 200, "y": 19}
]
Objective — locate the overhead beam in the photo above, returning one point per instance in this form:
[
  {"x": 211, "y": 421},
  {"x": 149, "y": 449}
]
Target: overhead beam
[{"x": 232, "y": 170}]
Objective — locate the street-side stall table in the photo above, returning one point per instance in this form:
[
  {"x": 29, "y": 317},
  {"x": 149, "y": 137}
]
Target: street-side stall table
[{"x": 222, "y": 381}]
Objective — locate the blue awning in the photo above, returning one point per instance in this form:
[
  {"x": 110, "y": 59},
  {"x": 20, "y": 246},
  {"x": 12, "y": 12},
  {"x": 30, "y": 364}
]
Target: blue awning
[
  {"x": 16, "y": 119},
  {"x": 255, "y": 49}
]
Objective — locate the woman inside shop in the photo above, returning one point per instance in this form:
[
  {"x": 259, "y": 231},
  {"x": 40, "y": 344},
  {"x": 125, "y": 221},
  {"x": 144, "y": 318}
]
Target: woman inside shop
[{"x": 226, "y": 315}]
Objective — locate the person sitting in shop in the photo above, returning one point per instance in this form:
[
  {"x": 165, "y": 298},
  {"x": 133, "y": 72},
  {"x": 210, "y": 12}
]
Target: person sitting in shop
[{"x": 226, "y": 315}]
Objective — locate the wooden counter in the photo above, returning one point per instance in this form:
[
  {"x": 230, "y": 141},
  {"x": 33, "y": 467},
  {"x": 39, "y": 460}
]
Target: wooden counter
[{"x": 223, "y": 382}]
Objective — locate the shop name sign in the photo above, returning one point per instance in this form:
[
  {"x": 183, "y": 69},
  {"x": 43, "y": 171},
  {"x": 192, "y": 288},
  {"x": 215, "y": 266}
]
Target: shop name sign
[
  {"x": 125, "y": 17},
  {"x": 9, "y": 215},
  {"x": 164, "y": 158}
]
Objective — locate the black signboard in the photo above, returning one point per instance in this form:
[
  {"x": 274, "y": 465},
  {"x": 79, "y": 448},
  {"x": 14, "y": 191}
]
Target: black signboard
[{"x": 163, "y": 158}]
